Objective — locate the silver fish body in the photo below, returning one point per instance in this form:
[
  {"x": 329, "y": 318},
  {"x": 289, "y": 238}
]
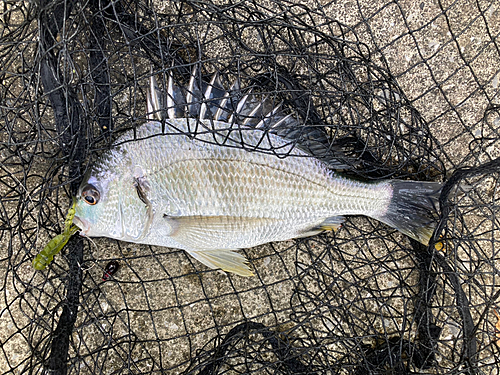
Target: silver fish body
[{"x": 209, "y": 196}]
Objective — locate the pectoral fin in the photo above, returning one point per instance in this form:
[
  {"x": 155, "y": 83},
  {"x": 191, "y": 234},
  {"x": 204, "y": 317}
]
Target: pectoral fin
[
  {"x": 332, "y": 223},
  {"x": 215, "y": 232},
  {"x": 226, "y": 260},
  {"x": 212, "y": 239}
]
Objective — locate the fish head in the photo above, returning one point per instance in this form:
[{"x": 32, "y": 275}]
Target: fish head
[
  {"x": 97, "y": 207},
  {"x": 112, "y": 200}
]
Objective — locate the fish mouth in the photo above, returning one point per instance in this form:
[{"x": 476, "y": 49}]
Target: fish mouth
[{"x": 83, "y": 224}]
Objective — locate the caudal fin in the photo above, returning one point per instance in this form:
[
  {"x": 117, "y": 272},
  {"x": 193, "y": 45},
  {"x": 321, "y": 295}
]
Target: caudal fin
[{"x": 413, "y": 209}]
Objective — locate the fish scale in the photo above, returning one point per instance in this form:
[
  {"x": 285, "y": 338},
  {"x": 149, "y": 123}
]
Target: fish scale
[{"x": 211, "y": 193}]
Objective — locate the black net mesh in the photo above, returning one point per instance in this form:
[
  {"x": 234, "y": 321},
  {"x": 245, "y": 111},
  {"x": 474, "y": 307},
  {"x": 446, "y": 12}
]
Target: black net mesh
[{"x": 406, "y": 89}]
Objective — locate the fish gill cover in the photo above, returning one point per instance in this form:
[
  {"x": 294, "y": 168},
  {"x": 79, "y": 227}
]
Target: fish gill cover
[{"x": 393, "y": 89}]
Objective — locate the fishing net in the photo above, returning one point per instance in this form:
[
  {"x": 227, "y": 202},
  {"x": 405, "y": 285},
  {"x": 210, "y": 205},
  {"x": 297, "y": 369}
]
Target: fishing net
[{"x": 398, "y": 89}]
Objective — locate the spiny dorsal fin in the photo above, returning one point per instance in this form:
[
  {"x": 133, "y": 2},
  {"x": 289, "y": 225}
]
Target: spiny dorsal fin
[
  {"x": 207, "y": 96},
  {"x": 269, "y": 115},
  {"x": 201, "y": 100},
  {"x": 170, "y": 96},
  {"x": 239, "y": 107},
  {"x": 153, "y": 101},
  {"x": 254, "y": 111}
]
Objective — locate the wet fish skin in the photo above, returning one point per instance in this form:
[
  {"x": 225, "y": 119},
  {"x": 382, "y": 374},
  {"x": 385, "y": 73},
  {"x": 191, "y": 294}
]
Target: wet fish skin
[{"x": 209, "y": 196}]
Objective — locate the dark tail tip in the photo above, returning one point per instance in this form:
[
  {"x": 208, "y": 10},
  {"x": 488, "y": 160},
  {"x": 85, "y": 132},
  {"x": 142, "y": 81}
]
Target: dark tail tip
[{"x": 414, "y": 208}]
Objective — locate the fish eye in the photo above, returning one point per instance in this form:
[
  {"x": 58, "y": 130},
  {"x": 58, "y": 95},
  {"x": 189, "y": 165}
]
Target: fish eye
[{"x": 90, "y": 194}]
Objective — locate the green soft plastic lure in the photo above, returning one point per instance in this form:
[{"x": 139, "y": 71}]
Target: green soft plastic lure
[{"x": 56, "y": 244}]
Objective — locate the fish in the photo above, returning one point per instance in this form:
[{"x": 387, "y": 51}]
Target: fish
[{"x": 202, "y": 174}]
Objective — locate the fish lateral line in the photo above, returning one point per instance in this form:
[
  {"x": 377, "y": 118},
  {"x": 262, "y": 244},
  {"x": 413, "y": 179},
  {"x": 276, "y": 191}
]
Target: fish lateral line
[{"x": 251, "y": 162}]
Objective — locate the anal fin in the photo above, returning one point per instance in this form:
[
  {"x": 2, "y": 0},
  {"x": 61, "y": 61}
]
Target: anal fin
[
  {"x": 227, "y": 260},
  {"x": 332, "y": 223}
]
